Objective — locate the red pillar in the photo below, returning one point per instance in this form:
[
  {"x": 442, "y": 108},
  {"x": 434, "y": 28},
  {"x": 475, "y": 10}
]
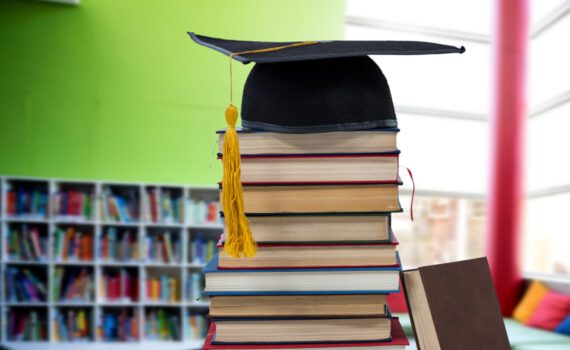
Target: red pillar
[{"x": 507, "y": 133}]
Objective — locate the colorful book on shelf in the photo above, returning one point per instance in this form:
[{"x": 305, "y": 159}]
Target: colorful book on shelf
[
  {"x": 73, "y": 204},
  {"x": 117, "y": 246},
  {"x": 337, "y": 228},
  {"x": 162, "y": 325},
  {"x": 196, "y": 325},
  {"x": 26, "y": 202},
  {"x": 354, "y": 280},
  {"x": 71, "y": 325},
  {"x": 202, "y": 212},
  {"x": 301, "y": 306},
  {"x": 162, "y": 288},
  {"x": 202, "y": 250},
  {"x": 322, "y": 198},
  {"x": 73, "y": 244},
  {"x": 24, "y": 285},
  {"x": 254, "y": 142},
  {"x": 72, "y": 284},
  {"x": 303, "y": 330},
  {"x": 120, "y": 208},
  {"x": 163, "y": 248},
  {"x": 26, "y": 325},
  {"x": 194, "y": 286},
  {"x": 119, "y": 285},
  {"x": 398, "y": 341},
  {"x": 119, "y": 326},
  {"x": 25, "y": 242},
  {"x": 332, "y": 168},
  {"x": 276, "y": 256}
]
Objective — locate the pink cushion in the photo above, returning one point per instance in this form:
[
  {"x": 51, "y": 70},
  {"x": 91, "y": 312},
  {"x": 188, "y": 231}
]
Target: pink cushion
[{"x": 551, "y": 311}]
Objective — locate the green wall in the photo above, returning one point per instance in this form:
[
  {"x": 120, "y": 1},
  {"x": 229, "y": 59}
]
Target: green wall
[{"x": 114, "y": 89}]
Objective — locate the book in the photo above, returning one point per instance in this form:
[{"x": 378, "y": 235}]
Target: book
[
  {"x": 122, "y": 206},
  {"x": 119, "y": 285},
  {"x": 163, "y": 247},
  {"x": 161, "y": 324},
  {"x": 73, "y": 205},
  {"x": 202, "y": 249},
  {"x": 73, "y": 244},
  {"x": 310, "y": 330},
  {"x": 303, "y": 169},
  {"x": 336, "y": 228},
  {"x": 26, "y": 242},
  {"x": 25, "y": 201},
  {"x": 454, "y": 306},
  {"x": 25, "y": 285},
  {"x": 366, "y": 305},
  {"x": 119, "y": 245},
  {"x": 355, "y": 280},
  {"x": 398, "y": 341},
  {"x": 72, "y": 324},
  {"x": 321, "y": 199},
  {"x": 162, "y": 288},
  {"x": 119, "y": 325},
  {"x": 26, "y": 325},
  {"x": 72, "y": 284},
  {"x": 196, "y": 325},
  {"x": 362, "y": 141},
  {"x": 202, "y": 212},
  {"x": 314, "y": 256}
]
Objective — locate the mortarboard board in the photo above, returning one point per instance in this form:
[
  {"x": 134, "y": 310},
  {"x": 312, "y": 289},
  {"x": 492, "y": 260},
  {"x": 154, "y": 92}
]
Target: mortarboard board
[{"x": 304, "y": 87}]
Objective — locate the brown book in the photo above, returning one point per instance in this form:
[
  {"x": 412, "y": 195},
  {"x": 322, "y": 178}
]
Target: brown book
[
  {"x": 302, "y": 330},
  {"x": 454, "y": 306},
  {"x": 321, "y": 199},
  {"x": 366, "y": 305},
  {"x": 277, "y": 256},
  {"x": 361, "y": 141},
  {"x": 339, "y": 168},
  {"x": 320, "y": 228}
]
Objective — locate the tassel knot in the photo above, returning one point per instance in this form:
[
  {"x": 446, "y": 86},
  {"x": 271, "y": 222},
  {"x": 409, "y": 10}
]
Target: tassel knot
[{"x": 231, "y": 116}]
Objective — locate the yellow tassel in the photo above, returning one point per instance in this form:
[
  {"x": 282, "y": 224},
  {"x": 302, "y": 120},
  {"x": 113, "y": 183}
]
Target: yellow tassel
[{"x": 238, "y": 240}]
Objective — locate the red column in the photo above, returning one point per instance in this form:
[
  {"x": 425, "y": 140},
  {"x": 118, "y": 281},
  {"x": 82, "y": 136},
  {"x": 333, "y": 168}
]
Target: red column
[{"x": 507, "y": 133}]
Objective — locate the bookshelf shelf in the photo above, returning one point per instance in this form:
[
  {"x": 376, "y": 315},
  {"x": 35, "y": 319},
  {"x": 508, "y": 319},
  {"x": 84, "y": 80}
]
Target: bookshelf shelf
[{"x": 180, "y": 223}]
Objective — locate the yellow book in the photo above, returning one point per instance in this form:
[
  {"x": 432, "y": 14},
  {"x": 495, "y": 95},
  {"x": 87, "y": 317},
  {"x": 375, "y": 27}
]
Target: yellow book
[
  {"x": 155, "y": 289},
  {"x": 56, "y": 331},
  {"x": 173, "y": 290}
]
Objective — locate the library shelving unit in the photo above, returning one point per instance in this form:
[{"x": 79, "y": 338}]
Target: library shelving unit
[{"x": 104, "y": 264}]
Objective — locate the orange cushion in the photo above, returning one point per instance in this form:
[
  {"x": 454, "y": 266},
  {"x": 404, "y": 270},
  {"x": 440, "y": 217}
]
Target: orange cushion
[{"x": 533, "y": 296}]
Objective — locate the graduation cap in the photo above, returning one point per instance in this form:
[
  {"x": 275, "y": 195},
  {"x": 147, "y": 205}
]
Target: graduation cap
[{"x": 303, "y": 87}]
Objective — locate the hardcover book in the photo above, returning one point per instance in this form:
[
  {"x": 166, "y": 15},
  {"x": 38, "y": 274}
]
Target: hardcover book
[
  {"x": 306, "y": 169},
  {"x": 355, "y": 280},
  {"x": 369, "y": 198},
  {"x": 252, "y": 142},
  {"x": 454, "y": 306},
  {"x": 315, "y": 256},
  {"x": 398, "y": 341},
  {"x": 338, "y": 228}
]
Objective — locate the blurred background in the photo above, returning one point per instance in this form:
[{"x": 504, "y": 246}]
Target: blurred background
[{"x": 105, "y": 90}]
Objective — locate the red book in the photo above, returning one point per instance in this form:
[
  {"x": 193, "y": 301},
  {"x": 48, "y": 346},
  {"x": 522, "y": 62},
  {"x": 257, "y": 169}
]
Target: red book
[
  {"x": 398, "y": 341},
  {"x": 11, "y": 205}
]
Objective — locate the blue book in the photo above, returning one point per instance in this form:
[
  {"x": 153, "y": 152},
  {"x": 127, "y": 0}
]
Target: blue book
[{"x": 299, "y": 281}]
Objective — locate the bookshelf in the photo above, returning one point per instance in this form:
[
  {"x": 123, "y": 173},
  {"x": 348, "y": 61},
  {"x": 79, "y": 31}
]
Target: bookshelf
[{"x": 99, "y": 254}]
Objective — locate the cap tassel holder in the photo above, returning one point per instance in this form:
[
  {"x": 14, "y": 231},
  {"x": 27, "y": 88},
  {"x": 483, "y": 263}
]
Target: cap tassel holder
[{"x": 239, "y": 241}]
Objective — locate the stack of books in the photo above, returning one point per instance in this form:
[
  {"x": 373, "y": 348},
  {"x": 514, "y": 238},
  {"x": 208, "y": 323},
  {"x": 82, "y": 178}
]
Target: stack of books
[
  {"x": 119, "y": 285},
  {"x": 26, "y": 202},
  {"x": 24, "y": 285},
  {"x": 161, "y": 324},
  {"x": 118, "y": 325},
  {"x": 72, "y": 325},
  {"x": 26, "y": 325},
  {"x": 73, "y": 244},
  {"x": 319, "y": 208}
]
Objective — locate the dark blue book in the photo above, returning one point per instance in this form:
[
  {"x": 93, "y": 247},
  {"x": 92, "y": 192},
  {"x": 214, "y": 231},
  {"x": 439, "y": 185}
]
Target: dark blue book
[{"x": 354, "y": 280}]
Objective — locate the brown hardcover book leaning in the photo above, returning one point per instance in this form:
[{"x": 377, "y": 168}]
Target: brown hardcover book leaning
[{"x": 454, "y": 306}]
